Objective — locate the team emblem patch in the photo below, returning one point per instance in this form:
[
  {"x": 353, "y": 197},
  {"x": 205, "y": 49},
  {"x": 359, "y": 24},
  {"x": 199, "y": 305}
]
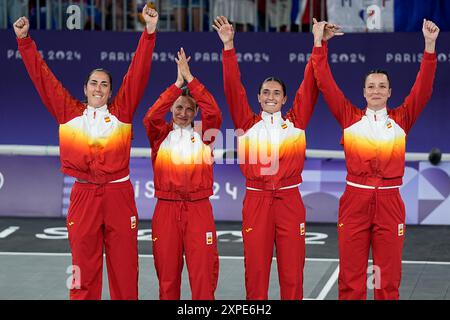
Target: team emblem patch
[
  {"x": 284, "y": 126},
  {"x": 107, "y": 119},
  {"x": 193, "y": 139},
  {"x": 133, "y": 222},
  {"x": 302, "y": 229},
  {"x": 401, "y": 229},
  {"x": 389, "y": 125},
  {"x": 209, "y": 238}
]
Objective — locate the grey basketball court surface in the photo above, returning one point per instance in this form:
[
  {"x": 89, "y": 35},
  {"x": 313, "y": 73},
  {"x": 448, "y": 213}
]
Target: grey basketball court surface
[{"x": 35, "y": 262}]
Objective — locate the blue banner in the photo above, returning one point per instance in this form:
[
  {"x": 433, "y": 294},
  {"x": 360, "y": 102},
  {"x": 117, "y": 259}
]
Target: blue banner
[{"x": 72, "y": 54}]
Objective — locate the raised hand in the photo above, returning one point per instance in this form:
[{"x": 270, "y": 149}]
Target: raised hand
[
  {"x": 318, "y": 32},
  {"x": 183, "y": 65},
  {"x": 21, "y": 27},
  {"x": 225, "y": 31},
  {"x": 331, "y": 30},
  {"x": 150, "y": 16},
  {"x": 180, "y": 80},
  {"x": 430, "y": 34}
]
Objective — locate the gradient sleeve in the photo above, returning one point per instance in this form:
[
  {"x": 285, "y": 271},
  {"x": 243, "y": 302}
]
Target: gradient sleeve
[
  {"x": 135, "y": 81},
  {"x": 241, "y": 113},
  {"x": 55, "y": 97},
  {"x": 155, "y": 125},
  {"x": 420, "y": 93},
  {"x": 210, "y": 112},
  {"x": 305, "y": 99},
  {"x": 341, "y": 108}
]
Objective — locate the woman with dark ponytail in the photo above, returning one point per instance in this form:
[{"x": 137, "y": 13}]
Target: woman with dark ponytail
[
  {"x": 271, "y": 150},
  {"x": 95, "y": 142}
]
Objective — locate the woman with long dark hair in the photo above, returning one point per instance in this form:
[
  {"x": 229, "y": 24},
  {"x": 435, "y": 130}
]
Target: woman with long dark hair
[{"x": 95, "y": 142}]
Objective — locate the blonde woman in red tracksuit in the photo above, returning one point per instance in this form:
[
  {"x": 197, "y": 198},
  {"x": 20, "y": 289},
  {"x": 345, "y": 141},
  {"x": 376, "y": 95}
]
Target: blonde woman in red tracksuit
[
  {"x": 271, "y": 153},
  {"x": 95, "y": 141},
  {"x": 182, "y": 160},
  {"x": 371, "y": 210}
]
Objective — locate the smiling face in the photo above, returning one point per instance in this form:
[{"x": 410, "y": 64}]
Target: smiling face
[
  {"x": 271, "y": 96},
  {"x": 98, "y": 89},
  {"x": 377, "y": 91},
  {"x": 183, "y": 111}
]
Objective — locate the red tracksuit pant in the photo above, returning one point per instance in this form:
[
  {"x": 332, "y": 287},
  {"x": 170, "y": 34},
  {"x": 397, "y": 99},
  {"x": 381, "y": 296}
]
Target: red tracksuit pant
[
  {"x": 370, "y": 217},
  {"x": 185, "y": 227},
  {"x": 103, "y": 218},
  {"x": 274, "y": 217}
]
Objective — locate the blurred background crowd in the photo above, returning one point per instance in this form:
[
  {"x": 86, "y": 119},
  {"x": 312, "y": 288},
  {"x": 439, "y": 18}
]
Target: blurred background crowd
[{"x": 246, "y": 15}]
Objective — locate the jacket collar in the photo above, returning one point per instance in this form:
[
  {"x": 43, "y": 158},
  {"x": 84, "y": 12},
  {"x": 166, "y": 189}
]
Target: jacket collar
[
  {"x": 101, "y": 109},
  {"x": 188, "y": 128},
  {"x": 376, "y": 115},
  {"x": 272, "y": 118}
]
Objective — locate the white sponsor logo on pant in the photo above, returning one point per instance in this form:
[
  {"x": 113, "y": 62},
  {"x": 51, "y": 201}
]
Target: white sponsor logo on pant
[
  {"x": 374, "y": 280},
  {"x": 74, "y": 280}
]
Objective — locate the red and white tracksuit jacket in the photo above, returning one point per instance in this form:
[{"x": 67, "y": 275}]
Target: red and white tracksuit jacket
[
  {"x": 183, "y": 221},
  {"x": 371, "y": 211},
  {"x": 95, "y": 148},
  {"x": 271, "y": 156}
]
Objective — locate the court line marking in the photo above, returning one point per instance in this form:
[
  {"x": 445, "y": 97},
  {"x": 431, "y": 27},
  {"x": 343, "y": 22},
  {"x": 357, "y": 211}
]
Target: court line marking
[
  {"x": 330, "y": 283},
  {"x": 56, "y": 254},
  {"x": 322, "y": 295},
  {"x": 10, "y": 230}
]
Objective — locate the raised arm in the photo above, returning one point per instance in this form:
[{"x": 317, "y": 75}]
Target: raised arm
[
  {"x": 135, "y": 81},
  {"x": 154, "y": 120},
  {"x": 421, "y": 91},
  {"x": 55, "y": 97},
  {"x": 305, "y": 99},
  {"x": 210, "y": 112},
  {"x": 307, "y": 93},
  {"x": 341, "y": 108},
  {"x": 241, "y": 113}
]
